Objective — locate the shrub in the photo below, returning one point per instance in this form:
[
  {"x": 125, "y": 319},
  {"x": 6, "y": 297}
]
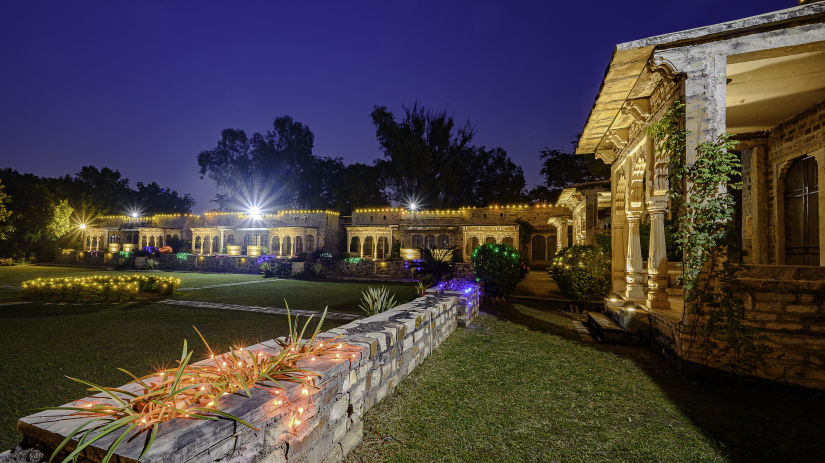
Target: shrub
[
  {"x": 582, "y": 271},
  {"x": 376, "y": 300},
  {"x": 99, "y": 288},
  {"x": 499, "y": 268},
  {"x": 395, "y": 253},
  {"x": 151, "y": 264},
  {"x": 318, "y": 270},
  {"x": 438, "y": 262}
]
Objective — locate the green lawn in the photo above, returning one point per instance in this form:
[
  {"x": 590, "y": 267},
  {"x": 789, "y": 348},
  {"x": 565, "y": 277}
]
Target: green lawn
[
  {"x": 309, "y": 295},
  {"x": 520, "y": 386},
  {"x": 43, "y": 343}
]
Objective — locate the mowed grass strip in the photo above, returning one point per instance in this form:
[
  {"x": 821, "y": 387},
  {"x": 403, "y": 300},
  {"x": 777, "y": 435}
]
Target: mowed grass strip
[
  {"x": 41, "y": 344},
  {"x": 300, "y": 294},
  {"x": 529, "y": 390}
]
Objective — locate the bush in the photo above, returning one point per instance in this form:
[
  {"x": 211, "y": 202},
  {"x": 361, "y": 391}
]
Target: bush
[
  {"x": 151, "y": 264},
  {"x": 582, "y": 271},
  {"x": 395, "y": 253},
  {"x": 438, "y": 262},
  {"x": 99, "y": 288},
  {"x": 499, "y": 268}
]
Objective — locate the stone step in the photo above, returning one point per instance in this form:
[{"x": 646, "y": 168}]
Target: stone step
[
  {"x": 603, "y": 329},
  {"x": 675, "y": 292}
]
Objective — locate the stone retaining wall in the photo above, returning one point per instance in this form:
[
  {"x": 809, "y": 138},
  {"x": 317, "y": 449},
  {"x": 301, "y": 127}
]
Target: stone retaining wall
[
  {"x": 787, "y": 306},
  {"x": 391, "y": 345}
]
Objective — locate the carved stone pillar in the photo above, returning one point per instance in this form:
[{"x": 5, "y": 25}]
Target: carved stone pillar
[
  {"x": 657, "y": 256},
  {"x": 634, "y": 278},
  {"x": 618, "y": 250}
]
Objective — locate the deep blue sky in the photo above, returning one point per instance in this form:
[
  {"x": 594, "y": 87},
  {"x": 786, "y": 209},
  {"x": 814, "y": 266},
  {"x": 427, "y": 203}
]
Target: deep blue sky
[{"x": 144, "y": 86}]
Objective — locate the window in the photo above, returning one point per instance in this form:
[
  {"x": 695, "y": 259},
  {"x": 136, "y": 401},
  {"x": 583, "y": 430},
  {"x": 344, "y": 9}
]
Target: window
[
  {"x": 429, "y": 242},
  {"x": 299, "y": 245},
  {"x": 507, "y": 241},
  {"x": 310, "y": 243},
  {"x": 354, "y": 244},
  {"x": 417, "y": 242},
  {"x": 802, "y": 213},
  {"x": 443, "y": 241}
]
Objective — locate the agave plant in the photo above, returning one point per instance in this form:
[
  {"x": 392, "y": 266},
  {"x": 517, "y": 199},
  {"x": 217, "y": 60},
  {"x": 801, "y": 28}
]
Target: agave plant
[
  {"x": 421, "y": 288},
  {"x": 191, "y": 391},
  {"x": 376, "y": 300}
]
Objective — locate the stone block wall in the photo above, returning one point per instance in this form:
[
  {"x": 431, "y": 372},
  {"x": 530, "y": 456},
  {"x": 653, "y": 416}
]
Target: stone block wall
[
  {"x": 786, "y": 304},
  {"x": 390, "y": 346}
]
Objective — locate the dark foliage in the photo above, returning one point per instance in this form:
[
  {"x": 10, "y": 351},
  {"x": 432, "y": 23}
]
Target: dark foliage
[{"x": 499, "y": 268}]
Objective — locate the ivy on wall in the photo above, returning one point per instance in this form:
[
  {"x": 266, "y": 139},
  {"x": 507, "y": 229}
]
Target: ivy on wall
[{"x": 701, "y": 222}]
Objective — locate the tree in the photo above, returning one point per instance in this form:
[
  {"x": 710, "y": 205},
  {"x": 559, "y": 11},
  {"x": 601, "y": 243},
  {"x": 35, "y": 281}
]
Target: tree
[
  {"x": 272, "y": 168},
  {"x": 358, "y": 185},
  {"x": 152, "y": 199},
  {"x": 428, "y": 156},
  {"x": 561, "y": 169},
  {"x": 5, "y": 214},
  {"x": 60, "y": 222}
]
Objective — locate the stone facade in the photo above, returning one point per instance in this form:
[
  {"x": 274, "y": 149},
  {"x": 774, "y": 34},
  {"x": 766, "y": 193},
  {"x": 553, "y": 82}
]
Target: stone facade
[
  {"x": 391, "y": 345},
  {"x": 763, "y": 80},
  {"x": 464, "y": 228}
]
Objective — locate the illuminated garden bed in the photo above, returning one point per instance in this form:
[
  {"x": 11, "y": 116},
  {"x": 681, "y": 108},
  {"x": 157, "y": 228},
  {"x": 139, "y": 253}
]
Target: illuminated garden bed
[{"x": 99, "y": 288}]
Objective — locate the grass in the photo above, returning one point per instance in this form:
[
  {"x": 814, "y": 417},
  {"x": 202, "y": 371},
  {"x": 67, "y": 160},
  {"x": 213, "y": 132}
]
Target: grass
[
  {"x": 520, "y": 386},
  {"x": 43, "y": 343},
  {"x": 305, "y": 295}
]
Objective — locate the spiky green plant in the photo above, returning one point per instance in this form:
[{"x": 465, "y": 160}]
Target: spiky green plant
[
  {"x": 376, "y": 300},
  {"x": 191, "y": 391}
]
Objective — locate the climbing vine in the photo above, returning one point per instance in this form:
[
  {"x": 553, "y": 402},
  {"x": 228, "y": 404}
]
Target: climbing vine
[{"x": 702, "y": 215}]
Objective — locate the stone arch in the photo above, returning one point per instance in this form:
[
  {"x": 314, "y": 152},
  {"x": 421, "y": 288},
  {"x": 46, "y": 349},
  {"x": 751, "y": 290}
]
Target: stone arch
[
  {"x": 383, "y": 248},
  {"x": 207, "y": 244},
  {"x": 299, "y": 244},
  {"x": 143, "y": 241},
  {"x": 275, "y": 245},
  {"x": 286, "y": 246},
  {"x": 508, "y": 241},
  {"x": 151, "y": 241},
  {"x": 310, "y": 243},
  {"x": 197, "y": 247},
  {"x": 216, "y": 244},
  {"x": 490, "y": 240},
  {"x": 368, "y": 243},
  {"x": 355, "y": 244}
]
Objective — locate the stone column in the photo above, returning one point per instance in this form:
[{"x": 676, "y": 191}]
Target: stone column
[
  {"x": 634, "y": 266},
  {"x": 657, "y": 278},
  {"x": 760, "y": 205},
  {"x": 375, "y": 247},
  {"x": 618, "y": 250},
  {"x": 591, "y": 215},
  {"x": 221, "y": 243}
]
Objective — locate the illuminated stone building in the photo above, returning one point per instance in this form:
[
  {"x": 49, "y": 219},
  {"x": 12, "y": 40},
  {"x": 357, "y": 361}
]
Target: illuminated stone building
[{"x": 762, "y": 79}]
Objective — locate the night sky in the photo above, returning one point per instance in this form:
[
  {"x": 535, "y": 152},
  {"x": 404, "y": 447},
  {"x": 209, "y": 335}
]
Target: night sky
[{"x": 144, "y": 86}]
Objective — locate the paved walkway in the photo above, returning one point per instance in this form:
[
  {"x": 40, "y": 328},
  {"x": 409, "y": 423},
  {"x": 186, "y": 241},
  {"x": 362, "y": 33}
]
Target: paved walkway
[
  {"x": 237, "y": 283},
  {"x": 256, "y": 308},
  {"x": 539, "y": 285}
]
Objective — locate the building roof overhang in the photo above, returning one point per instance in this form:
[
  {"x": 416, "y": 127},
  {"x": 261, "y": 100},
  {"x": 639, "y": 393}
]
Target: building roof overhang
[{"x": 631, "y": 75}]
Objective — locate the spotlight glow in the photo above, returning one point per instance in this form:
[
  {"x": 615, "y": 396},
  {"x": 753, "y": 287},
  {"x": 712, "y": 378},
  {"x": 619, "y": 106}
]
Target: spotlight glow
[
  {"x": 255, "y": 213},
  {"x": 82, "y": 226}
]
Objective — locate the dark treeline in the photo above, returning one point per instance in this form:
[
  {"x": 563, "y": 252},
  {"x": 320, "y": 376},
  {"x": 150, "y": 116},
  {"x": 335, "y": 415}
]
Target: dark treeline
[
  {"x": 40, "y": 214},
  {"x": 427, "y": 158}
]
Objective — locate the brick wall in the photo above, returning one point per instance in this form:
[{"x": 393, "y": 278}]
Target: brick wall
[{"x": 392, "y": 344}]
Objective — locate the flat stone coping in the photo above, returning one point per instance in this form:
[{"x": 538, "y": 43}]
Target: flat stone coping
[{"x": 261, "y": 309}]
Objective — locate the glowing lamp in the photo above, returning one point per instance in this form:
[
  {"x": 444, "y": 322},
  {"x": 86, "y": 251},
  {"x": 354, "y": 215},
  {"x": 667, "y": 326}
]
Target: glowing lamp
[
  {"x": 82, "y": 226},
  {"x": 255, "y": 213},
  {"x": 253, "y": 251}
]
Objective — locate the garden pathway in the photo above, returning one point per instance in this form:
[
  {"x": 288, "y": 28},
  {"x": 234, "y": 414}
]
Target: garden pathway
[
  {"x": 256, "y": 308},
  {"x": 221, "y": 285}
]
